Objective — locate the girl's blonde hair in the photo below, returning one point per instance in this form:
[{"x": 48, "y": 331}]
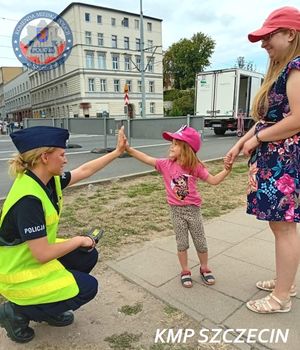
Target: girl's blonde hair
[
  {"x": 27, "y": 160},
  {"x": 261, "y": 104},
  {"x": 188, "y": 158}
]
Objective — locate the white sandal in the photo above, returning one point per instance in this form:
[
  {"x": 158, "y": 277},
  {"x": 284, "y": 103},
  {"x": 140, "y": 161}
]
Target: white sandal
[
  {"x": 269, "y": 286},
  {"x": 263, "y": 306}
]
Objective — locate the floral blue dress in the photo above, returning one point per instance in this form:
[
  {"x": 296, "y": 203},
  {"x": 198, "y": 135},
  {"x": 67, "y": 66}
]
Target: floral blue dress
[{"x": 274, "y": 175}]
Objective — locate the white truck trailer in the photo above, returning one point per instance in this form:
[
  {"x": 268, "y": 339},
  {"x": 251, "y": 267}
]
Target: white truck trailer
[{"x": 224, "y": 98}]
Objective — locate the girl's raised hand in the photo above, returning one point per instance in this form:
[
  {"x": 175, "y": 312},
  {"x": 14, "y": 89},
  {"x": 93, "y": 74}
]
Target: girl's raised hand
[{"x": 122, "y": 140}]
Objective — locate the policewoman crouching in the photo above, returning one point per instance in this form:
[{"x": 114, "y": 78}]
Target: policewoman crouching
[{"x": 43, "y": 279}]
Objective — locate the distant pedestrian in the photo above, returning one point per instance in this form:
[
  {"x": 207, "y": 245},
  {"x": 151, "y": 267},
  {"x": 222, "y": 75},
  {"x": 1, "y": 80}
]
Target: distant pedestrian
[
  {"x": 11, "y": 127},
  {"x": 180, "y": 172},
  {"x": 273, "y": 145}
]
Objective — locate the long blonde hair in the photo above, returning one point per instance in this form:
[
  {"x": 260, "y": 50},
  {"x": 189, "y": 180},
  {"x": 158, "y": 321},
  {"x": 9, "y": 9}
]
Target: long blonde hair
[
  {"x": 188, "y": 158},
  {"x": 260, "y": 102},
  {"x": 27, "y": 160}
]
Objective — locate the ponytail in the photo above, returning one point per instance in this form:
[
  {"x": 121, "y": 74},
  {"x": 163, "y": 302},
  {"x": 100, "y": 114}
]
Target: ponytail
[{"x": 27, "y": 160}]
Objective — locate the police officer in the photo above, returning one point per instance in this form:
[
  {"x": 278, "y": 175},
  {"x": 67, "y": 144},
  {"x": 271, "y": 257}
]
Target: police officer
[{"x": 43, "y": 279}]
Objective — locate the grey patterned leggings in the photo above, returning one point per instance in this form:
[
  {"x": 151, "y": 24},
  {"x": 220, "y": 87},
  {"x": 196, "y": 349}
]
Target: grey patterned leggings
[{"x": 187, "y": 219}]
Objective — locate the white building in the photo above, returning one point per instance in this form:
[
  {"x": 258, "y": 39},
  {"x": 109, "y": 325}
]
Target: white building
[
  {"x": 17, "y": 97},
  {"x": 106, "y": 55}
]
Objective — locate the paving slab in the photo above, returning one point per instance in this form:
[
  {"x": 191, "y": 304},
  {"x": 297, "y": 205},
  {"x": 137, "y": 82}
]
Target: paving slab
[
  {"x": 204, "y": 300},
  {"x": 239, "y": 216},
  {"x": 243, "y": 318},
  {"x": 215, "y": 246},
  {"x": 254, "y": 251},
  {"x": 236, "y": 278},
  {"x": 230, "y": 232},
  {"x": 153, "y": 265}
]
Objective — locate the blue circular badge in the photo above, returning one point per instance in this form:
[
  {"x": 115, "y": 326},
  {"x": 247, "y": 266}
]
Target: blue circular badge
[{"x": 42, "y": 40}]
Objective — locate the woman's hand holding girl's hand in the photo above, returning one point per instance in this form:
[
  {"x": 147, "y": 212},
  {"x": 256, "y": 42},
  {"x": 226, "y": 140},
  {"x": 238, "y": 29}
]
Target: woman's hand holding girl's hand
[
  {"x": 232, "y": 154},
  {"x": 227, "y": 165}
]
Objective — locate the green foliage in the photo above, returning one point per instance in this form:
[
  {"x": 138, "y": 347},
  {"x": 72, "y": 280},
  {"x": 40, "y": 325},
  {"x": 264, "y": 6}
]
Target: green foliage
[
  {"x": 131, "y": 310},
  {"x": 122, "y": 341},
  {"x": 185, "y": 58},
  {"x": 183, "y": 102}
]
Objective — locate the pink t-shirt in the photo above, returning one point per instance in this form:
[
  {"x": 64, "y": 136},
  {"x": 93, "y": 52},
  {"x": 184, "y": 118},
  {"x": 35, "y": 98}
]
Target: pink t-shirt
[{"x": 180, "y": 186}]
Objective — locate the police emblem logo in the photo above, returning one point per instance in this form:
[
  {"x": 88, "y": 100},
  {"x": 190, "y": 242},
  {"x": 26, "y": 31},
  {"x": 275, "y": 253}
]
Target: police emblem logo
[{"x": 42, "y": 40}]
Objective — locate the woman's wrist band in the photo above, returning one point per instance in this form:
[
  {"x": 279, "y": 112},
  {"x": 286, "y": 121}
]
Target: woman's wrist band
[{"x": 257, "y": 137}]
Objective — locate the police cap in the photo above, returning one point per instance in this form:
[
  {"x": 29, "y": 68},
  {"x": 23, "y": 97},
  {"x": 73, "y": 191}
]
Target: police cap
[{"x": 39, "y": 136}]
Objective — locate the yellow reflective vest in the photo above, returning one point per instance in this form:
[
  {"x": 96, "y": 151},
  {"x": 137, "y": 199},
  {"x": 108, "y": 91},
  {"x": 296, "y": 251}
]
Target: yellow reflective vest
[{"x": 24, "y": 280}]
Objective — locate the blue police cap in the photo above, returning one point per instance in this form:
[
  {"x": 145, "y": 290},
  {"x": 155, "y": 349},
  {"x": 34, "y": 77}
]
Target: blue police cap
[{"x": 39, "y": 136}]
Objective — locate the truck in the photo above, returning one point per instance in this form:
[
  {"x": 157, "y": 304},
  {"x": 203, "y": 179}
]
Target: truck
[{"x": 224, "y": 98}]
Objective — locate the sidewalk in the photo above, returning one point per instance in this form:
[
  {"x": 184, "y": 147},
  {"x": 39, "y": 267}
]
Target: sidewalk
[{"x": 241, "y": 251}]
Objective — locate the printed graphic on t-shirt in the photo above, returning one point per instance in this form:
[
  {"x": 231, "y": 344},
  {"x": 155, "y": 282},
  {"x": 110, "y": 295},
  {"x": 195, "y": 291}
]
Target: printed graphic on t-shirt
[{"x": 180, "y": 186}]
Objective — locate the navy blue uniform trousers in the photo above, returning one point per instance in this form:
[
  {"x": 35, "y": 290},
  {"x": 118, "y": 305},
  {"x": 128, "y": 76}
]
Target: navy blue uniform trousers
[{"x": 79, "y": 264}]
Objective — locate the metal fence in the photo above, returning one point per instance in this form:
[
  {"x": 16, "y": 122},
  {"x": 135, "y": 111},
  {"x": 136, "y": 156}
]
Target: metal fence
[{"x": 148, "y": 128}]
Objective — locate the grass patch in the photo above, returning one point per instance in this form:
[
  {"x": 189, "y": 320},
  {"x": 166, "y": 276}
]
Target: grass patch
[
  {"x": 143, "y": 189},
  {"x": 122, "y": 341},
  {"x": 170, "y": 310},
  {"x": 131, "y": 310}
]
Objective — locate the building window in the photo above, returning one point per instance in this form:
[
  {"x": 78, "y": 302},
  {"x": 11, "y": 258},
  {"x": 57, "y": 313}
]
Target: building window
[
  {"x": 136, "y": 24},
  {"x": 150, "y": 45},
  {"x": 103, "y": 85},
  {"x": 127, "y": 63},
  {"x": 139, "y": 85},
  {"x": 101, "y": 60},
  {"x": 149, "y": 26},
  {"x": 114, "y": 41},
  {"x": 140, "y": 108},
  {"x": 151, "y": 86},
  {"x": 152, "y": 107},
  {"x": 100, "y": 39},
  {"x": 138, "y": 63},
  {"x": 116, "y": 85},
  {"x": 87, "y": 17},
  {"x": 129, "y": 85},
  {"x": 113, "y": 21},
  {"x": 91, "y": 84},
  {"x": 150, "y": 65},
  {"x": 125, "y": 22},
  {"x": 88, "y": 38},
  {"x": 89, "y": 59},
  {"x": 138, "y": 44},
  {"x": 115, "y": 62},
  {"x": 99, "y": 19},
  {"x": 126, "y": 42}
]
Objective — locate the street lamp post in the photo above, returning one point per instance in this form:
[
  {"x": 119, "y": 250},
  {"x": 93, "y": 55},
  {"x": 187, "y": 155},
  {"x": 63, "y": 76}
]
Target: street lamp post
[{"x": 142, "y": 60}]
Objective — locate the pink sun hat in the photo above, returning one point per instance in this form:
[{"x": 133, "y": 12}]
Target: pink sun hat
[
  {"x": 186, "y": 134},
  {"x": 285, "y": 17}
]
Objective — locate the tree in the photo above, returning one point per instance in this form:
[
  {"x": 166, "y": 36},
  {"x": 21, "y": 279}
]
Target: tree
[
  {"x": 185, "y": 58},
  {"x": 243, "y": 64}
]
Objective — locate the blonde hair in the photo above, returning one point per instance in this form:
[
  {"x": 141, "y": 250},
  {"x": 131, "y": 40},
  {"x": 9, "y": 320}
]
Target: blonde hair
[
  {"x": 188, "y": 158},
  {"x": 261, "y": 104},
  {"x": 27, "y": 160}
]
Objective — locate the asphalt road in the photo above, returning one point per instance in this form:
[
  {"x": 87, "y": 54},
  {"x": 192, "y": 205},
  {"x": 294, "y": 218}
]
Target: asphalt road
[{"x": 213, "y": 147}]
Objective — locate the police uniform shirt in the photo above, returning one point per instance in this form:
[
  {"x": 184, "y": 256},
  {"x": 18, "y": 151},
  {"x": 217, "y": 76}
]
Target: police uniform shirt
[{"x": 26, "y": 220}]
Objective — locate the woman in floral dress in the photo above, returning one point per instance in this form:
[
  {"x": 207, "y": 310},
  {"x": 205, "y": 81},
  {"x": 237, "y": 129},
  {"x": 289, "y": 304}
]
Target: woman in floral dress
[{"x": 273, "y": 145}]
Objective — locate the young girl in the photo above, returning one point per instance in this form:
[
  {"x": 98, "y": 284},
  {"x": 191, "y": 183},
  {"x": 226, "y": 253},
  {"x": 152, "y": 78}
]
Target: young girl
[{"x": 180, "y": 173}]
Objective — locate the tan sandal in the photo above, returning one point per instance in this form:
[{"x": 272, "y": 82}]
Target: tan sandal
[
  {"x": 269, "y": 286},
  {"x": 263, "y": 306}
]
